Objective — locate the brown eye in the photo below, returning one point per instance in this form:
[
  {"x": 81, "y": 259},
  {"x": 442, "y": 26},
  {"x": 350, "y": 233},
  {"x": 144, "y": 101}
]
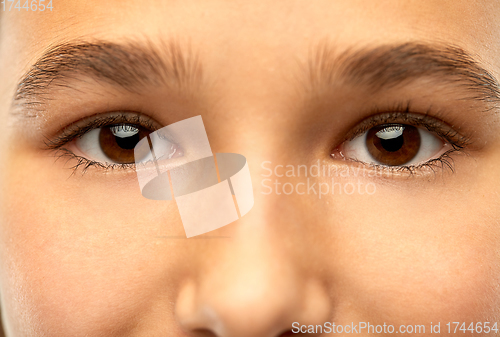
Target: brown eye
[
  {"x": 393, "y": 144},
  {"x": 117, "y": 142}
]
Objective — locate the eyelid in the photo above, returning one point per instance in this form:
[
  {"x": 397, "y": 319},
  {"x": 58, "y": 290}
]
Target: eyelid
[
  {"x": 426, "y": 121},
  {"x": 83, "y": 126}
]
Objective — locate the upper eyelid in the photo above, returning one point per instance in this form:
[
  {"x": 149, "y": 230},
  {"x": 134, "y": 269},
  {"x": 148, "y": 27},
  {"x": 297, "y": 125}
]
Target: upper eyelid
[
  {"x": 432, "y": 124},
  {"x": 81, "y": 127},
  {"x": 87, "y": 124}
]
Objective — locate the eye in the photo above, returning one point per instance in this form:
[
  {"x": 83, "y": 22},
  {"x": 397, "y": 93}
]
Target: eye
[
  {"x": 395, "y": 145},
  {"x": 114, "y": 144}
]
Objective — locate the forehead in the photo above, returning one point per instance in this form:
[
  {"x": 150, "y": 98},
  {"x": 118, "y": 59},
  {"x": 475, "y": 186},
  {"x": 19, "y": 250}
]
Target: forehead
[{"x": 261, "y": 22}]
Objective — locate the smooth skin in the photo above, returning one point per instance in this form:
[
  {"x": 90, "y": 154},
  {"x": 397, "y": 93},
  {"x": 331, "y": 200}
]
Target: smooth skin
[{"x": 87, "y": 255}]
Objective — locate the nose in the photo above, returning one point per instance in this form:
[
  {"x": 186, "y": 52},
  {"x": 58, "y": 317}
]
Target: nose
[{"x": 251, "y": 289}]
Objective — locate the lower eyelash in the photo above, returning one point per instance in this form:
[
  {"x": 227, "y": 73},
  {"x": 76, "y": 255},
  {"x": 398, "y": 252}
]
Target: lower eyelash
[
  {"x": 443, "y": 162},
  {"x": 84, "y": 164}
]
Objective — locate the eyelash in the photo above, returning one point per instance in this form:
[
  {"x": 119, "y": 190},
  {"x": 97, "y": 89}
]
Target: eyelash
[
  {"x": 402, "y": 114},
  {"x": 399, "y": 114},
  {"x": 76, "y": 130}
]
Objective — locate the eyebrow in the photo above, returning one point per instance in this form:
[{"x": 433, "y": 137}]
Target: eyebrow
[
  {"x": 129, "y": 65},
  {"x": 132, "y": 65},
  {"x": 386, "y": 66}
]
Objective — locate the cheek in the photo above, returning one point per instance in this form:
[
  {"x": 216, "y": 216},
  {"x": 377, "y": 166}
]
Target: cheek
[
  {"x": 438, "y": 285},
  {"x": 423, "y": 259},
  {"x": 81, "y": 258}
]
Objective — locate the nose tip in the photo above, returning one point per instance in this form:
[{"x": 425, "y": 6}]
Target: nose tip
[{"x": 253, "y": 304}]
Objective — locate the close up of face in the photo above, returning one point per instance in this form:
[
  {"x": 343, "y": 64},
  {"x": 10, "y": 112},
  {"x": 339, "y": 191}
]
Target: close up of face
[{"x": 371, "y": 131}]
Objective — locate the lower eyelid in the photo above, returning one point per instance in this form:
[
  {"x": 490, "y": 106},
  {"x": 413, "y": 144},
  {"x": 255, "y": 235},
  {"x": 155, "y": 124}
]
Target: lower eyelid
[{"x": 76, "y": 162}]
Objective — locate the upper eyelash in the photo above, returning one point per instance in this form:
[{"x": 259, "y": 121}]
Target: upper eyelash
[
  {"x": 403, "y": 114},
  {"x": 76, "y": 130}
]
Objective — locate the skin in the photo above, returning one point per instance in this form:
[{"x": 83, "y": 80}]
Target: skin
[{"x": 87, "y": 255}]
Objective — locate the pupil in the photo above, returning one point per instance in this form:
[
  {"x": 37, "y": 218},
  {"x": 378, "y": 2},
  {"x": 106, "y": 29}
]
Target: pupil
[
  {"x": 118, "y": 142},
  {"x": 126, "y": 136},
  {"x": 127, "y": 143},
  {"x": 393, "y": 144}
]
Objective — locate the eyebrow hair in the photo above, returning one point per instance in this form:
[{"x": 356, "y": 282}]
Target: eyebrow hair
[
  {"x": 134, "y": 64},
  {"x": 384, "y": 67},
  {"x": 128, "y": 65}
]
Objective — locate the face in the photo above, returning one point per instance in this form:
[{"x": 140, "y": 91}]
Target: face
[{"x": 371, "y": 133}]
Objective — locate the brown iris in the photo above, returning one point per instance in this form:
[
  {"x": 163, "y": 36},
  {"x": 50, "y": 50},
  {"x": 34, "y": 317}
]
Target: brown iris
[
  {"x": 118, "y": 142},
  {"x": 393, "y": 144}
]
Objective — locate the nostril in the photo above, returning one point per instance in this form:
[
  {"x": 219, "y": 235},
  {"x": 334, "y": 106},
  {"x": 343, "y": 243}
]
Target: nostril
[
  {"x": 208, "y": 333},
  {"x": 203, "y": 333}
]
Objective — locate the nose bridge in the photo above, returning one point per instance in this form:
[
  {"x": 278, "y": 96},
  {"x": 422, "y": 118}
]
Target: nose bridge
[{"x": 249, "y": 274}]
